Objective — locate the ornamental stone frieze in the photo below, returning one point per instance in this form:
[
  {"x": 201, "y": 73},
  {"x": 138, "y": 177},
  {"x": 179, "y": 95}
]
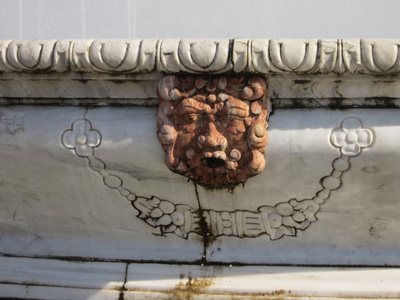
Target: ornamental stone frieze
[
  {"x": 248, "y": 151},
  {"x": 264, "y": 56},
  {"x": 338, "y": 73}
]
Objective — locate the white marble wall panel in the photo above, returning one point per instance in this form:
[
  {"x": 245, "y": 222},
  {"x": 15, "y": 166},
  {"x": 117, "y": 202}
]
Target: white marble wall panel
[
  {"x": 52, "y": 203},
  {"x": 130, "y": 149},
  {"x": 55, "y": 202},
  {"x": 357, "y": 224}
]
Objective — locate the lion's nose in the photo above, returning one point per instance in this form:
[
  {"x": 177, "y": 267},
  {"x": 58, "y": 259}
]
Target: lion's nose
[{"x": 212, "y": 139}]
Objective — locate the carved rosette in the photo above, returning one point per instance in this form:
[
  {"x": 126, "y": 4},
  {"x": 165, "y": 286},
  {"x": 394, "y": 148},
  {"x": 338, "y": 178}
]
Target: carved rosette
[{"x": 214, "y": 129}]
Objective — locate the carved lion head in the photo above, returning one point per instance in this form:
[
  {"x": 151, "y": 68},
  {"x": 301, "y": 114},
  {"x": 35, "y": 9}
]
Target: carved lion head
[{"x": 214, "y": 130}]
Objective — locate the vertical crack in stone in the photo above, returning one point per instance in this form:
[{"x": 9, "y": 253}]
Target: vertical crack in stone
[
  {"x": 203, "y": 226},
  {"x": 85, "y": 113},
  {"x": 123, "y": 289}
]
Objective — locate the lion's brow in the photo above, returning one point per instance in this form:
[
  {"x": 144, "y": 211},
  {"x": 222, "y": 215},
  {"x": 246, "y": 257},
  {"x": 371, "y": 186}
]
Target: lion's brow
[{"x": 191, "y": 106}]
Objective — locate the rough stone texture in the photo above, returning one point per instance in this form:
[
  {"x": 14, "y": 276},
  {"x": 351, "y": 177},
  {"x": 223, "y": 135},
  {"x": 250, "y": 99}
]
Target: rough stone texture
[{"x": 214, "y": 129}]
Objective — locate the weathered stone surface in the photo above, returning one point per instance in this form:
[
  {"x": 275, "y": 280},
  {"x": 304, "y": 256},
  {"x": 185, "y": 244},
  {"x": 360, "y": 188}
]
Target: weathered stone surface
[
  {"x": 93, "y": 183},
  {"x": 90, "y": 183},
  {"x": 53, "y": 279},
  {"x": 118, "y": 146},
  {"x": 56, "y": 203},
  {"x": 214, "y": 129}
]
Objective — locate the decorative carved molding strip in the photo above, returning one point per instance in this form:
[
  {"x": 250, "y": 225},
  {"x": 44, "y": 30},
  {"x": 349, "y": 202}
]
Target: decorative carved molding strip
[
  {"x": 266, "y": 56},
  {"x": 282, "y": 219}
]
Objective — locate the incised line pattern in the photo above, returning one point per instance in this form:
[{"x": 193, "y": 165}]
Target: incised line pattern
[{"x": 282, "y": 219}]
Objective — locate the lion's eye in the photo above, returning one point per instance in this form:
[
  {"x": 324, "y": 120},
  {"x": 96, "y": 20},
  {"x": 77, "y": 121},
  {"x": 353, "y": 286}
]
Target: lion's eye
[{"x": 193, "y": 117}]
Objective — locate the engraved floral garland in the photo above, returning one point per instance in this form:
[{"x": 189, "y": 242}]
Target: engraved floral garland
[{"x": 285, "y": 218}]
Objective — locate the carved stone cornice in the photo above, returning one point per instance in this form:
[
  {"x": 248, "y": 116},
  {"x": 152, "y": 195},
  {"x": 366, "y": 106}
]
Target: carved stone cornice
[
  {"x": 308, "y": 56},
  {"x": 336, "y": 73}
]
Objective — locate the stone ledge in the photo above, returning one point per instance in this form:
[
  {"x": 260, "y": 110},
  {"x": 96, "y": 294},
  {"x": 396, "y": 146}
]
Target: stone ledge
[
  {"x": 38, "y": 278},
  {"x": 287, "y": 90},
  {"x": 267, "y": 56},
  {"x": 301, "y": 73}
]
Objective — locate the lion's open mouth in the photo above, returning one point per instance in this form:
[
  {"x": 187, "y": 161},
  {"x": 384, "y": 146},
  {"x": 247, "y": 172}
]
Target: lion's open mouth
[{"x": 213, "y": 162}]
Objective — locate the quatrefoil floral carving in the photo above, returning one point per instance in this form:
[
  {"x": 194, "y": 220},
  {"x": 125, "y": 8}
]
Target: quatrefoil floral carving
[
  {"x": 351, "y": 137},
  {"x": 82, "y": 138}
]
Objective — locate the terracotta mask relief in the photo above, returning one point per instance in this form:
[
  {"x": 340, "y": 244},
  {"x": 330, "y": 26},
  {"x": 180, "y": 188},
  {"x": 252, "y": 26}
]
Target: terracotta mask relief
[{"x": 214, "y": 129}]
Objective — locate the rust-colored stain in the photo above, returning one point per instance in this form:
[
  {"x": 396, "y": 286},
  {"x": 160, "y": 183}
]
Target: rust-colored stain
[
  {"x": 193, "y": 288},
  {"x": 194, "y": 284},
  {"x": 189, "y": 291},
  {"x": 214, "y": 129}
]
